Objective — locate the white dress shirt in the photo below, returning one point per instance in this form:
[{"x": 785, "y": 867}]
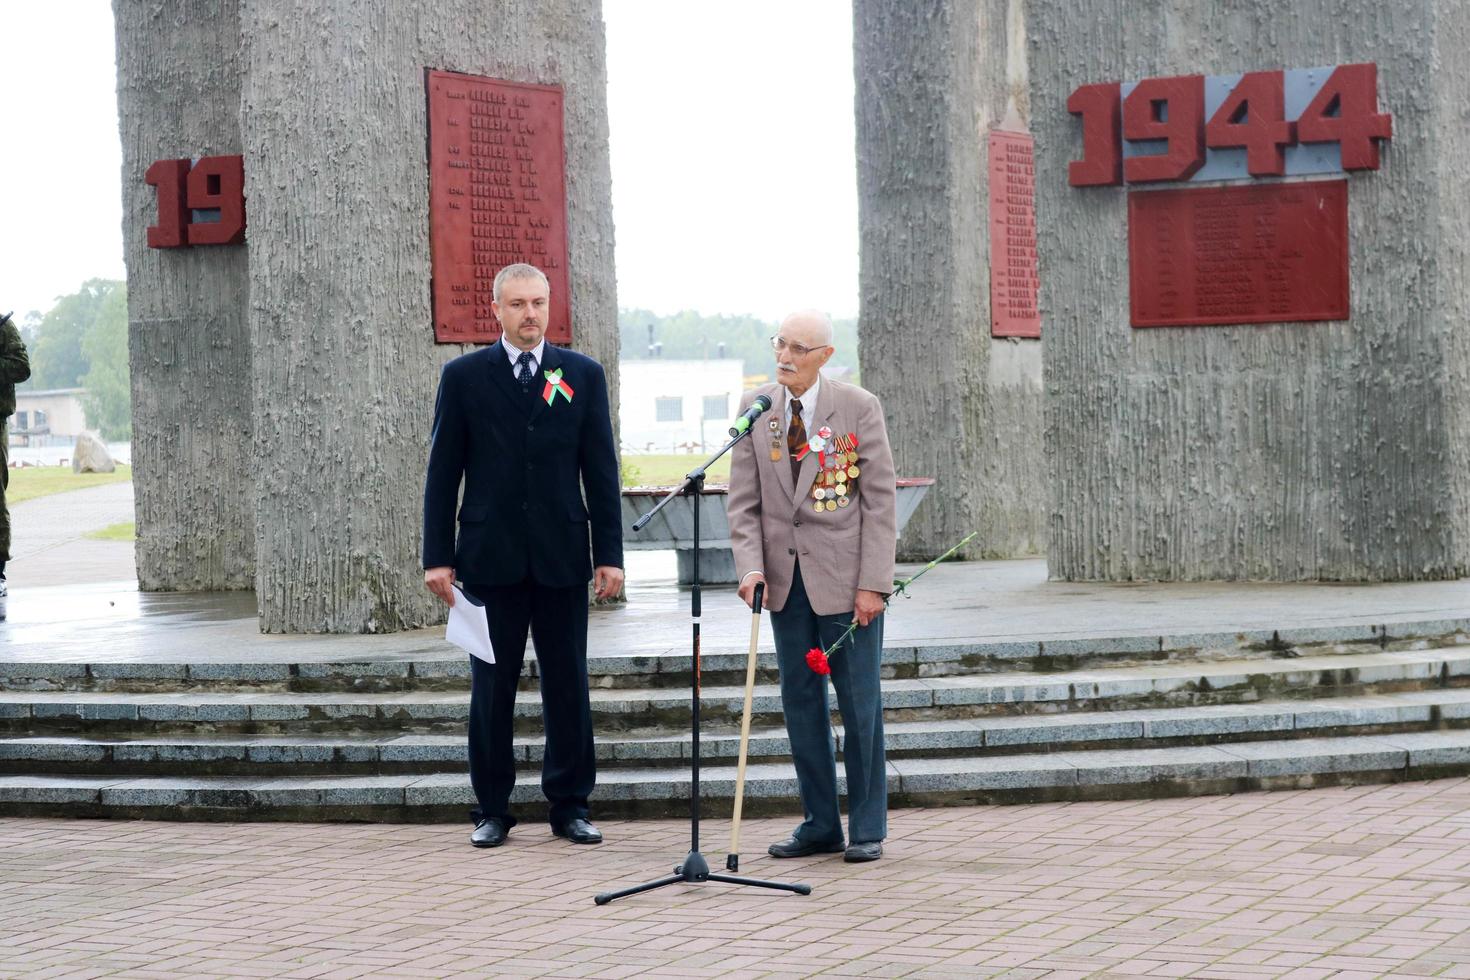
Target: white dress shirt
[
  {"x": 514, "y": 352},
  {"x": 808, "y": 405}
]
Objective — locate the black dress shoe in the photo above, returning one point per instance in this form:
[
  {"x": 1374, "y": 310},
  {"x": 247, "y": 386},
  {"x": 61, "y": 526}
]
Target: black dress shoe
[
  {"x": 869, "y": 851},
  {"x": 578, "y": 831},
  {"x": 490, "y": 832},
  {"x": 792, "y": 847}
]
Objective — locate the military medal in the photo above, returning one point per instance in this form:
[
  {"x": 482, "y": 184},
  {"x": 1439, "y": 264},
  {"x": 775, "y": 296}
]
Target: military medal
[
  {"x": 775, "y": 426},
  {"x": 835, "y": 483}
]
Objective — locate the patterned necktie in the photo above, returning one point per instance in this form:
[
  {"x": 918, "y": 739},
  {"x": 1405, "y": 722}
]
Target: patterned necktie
[
  {"x": 795, "y": 438},
  {"x": 523, "y": 372}
]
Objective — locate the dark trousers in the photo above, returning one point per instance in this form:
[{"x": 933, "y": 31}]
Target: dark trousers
[
  {"x": 557, "y": 619},
  {"x": 855, "y": 678},
  {"x": 4, "y": 486}
]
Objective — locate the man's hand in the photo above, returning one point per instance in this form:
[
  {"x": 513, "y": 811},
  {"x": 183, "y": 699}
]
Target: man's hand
[
  {"x": 607, "y": 581},
  {"x": 866, "y": 606},
  {"x": 747, "y": 589},
  {"x": 440, "y": 581}
]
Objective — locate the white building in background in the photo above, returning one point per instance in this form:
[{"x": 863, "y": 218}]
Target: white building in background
[
  {"x": 47, "y": 418},
  {"x": 677, "y": 406}
]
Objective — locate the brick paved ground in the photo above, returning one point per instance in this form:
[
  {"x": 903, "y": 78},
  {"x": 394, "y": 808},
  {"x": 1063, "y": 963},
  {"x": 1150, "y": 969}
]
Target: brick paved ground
[{"x": 1339, "y": 882}]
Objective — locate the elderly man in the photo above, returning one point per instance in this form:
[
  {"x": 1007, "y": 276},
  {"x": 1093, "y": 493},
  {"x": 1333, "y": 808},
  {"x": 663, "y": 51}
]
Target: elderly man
[
  {"x": 812, "y": 515},
  {"x": 527, "y": 427}
]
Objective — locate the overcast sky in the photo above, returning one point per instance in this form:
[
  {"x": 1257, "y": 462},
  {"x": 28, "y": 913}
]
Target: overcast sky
[{"x": 732, "y": 153}]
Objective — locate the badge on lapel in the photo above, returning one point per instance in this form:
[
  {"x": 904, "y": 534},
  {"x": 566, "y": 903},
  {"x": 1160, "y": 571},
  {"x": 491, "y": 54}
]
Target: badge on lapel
[{"x": 555, "y": 386}]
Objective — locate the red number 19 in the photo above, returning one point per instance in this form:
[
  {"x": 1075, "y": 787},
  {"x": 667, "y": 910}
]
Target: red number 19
[{"x": 215, "y": 184}]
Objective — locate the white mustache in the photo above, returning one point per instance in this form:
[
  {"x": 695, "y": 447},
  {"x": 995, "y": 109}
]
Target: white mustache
[{"x": 786, "y": 367}]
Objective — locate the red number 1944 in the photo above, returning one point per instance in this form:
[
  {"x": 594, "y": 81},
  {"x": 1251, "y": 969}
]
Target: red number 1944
[{"x": 1343, "y": 111}]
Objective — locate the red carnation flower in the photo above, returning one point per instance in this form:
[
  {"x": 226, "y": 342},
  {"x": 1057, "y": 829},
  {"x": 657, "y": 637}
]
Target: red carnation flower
[{"x": 817, "y": 661}]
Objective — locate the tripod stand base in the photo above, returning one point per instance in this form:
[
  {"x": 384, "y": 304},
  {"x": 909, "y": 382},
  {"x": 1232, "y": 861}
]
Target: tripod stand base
[{"x": 696, "y": 869}]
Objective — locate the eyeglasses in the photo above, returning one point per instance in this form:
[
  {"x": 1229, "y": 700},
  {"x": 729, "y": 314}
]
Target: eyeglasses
[{"x": 779, "y": 344}]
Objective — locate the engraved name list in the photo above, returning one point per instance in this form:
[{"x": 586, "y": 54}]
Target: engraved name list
[{"x": 497, "y": 195}]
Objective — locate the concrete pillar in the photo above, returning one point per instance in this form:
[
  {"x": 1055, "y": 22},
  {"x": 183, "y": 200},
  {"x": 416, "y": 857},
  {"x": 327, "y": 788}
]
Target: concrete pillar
[
  {"x": 178, "y": 93},
  {"x": 1291, "y": 451},
  {"x": 963, "y": 407},
  {"x": 331, "y": 291},
  {"x": 333, "y": 113}
]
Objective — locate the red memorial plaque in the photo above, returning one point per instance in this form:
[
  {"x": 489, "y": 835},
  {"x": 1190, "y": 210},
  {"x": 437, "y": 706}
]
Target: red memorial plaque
[
  {"x": 1270, "y": 253},
  {"x": 1013, "y": 276},
  {"x": 497, "y": 195}
]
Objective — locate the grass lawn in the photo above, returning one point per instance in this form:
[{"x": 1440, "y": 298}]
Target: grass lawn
[
  {"x": 30, "y": 482},
  {"x": 667, "y": 470},
  {"x": 114, "y": 532}
]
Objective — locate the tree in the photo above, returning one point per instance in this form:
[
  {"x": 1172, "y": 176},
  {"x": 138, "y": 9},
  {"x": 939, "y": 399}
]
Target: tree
[
  {"x": 107, "y": 399},
  {"x": 689, "y": 335},
  {"x": 30, "y": 326},
  {"x": 57, "y": 358}
]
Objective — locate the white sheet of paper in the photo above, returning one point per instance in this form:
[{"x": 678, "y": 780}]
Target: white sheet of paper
[{"x": 467, "y": 628}]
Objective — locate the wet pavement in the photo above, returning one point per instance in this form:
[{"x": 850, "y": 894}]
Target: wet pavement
[
  {"x": 49, "y": 547},
  {"x": 74, "y": 599},
  {"x": 995, "y": 602}
]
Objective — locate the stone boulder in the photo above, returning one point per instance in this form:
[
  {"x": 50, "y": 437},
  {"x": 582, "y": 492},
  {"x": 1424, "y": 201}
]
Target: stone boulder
[{"x": 91, "y": 456}]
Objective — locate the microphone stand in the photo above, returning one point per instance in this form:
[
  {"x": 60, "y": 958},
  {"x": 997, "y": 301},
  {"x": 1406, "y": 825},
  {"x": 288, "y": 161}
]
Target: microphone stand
[{"x": 695, "y": 868}]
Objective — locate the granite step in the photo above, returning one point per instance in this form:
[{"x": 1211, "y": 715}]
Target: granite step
[
  {"x": 1229, "y": 767},
  {"x": 726, "y": 666},
  {"x": 387, "y": 754},
  {"x": 965, "y": 696}
]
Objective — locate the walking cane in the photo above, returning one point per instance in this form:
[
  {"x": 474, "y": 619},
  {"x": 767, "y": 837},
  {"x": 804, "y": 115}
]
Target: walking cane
[{"x": 732, "y": 860}]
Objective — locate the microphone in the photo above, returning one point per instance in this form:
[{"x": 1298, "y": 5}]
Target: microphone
[{"x": 761, "y": 403}]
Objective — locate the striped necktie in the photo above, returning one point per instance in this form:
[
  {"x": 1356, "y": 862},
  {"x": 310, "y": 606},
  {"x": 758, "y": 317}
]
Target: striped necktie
[{"x": 795, "y": 438}]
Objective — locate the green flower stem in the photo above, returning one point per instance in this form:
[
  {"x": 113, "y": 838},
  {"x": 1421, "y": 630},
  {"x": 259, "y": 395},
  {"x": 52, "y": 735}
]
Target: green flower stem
[
  {"x": 851, "y": 629},
  {"x": 900, "y": 588}
]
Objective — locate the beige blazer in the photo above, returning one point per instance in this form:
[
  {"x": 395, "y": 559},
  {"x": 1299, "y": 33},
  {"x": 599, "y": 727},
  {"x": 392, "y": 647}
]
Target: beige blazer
[{"x": 772, "y": 521}]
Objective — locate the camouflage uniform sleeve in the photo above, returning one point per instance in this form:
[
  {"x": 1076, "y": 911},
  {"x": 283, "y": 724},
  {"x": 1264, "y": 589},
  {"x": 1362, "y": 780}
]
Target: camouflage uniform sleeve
[{"x": 15, "y": 364}]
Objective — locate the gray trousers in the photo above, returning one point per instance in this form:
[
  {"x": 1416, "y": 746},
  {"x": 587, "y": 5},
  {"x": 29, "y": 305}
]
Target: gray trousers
[{"x": 808, "y": 720}]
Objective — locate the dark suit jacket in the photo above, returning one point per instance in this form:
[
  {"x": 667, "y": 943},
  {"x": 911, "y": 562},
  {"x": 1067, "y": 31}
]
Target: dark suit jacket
[{"x": 524, "y": 464}]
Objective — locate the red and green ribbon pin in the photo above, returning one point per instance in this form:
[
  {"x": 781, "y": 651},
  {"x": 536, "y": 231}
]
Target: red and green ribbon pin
[{"x": 555, "y": 386}]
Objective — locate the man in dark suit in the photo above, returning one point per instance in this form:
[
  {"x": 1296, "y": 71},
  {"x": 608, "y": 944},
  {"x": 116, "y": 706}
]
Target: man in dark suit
[{"x": 527, "y": 426}]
